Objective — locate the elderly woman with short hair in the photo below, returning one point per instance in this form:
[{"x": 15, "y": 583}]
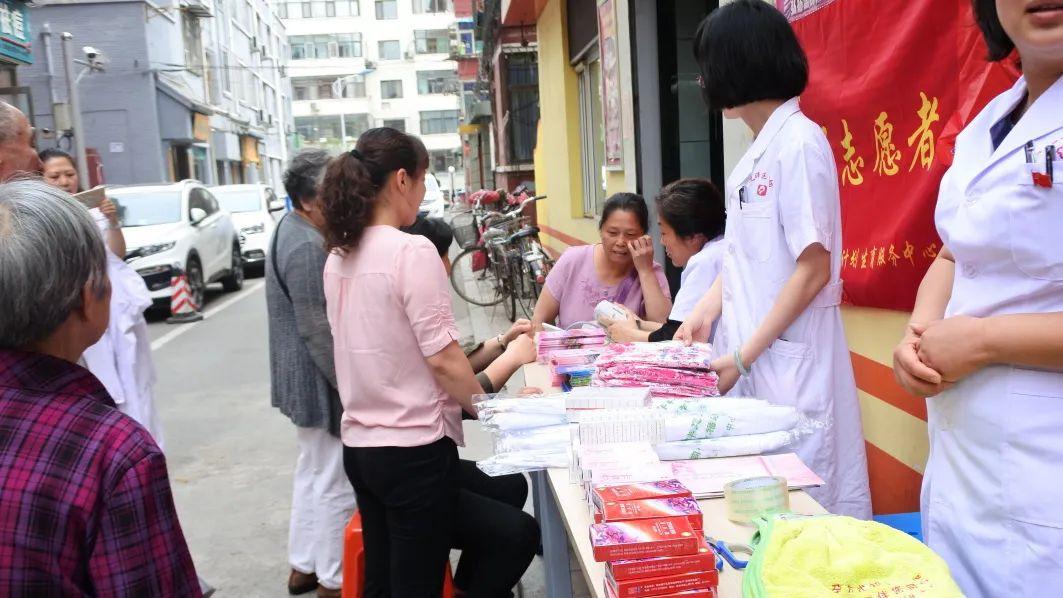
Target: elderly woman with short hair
[{"x": 68, "y": 458}]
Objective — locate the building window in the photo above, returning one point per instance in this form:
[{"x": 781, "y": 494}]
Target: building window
[
  {"x": 390, "y": 90},
  {"x": 354, "y": 87},
  {"x": 423, "y": 6},
  {"x": 193, "y": 38},
  {"x": 441, "y": 160},
  {"x": 432, "y": 82},
  {"x": 336, "y": 45},
  {"x": 592, "y": 140},
  {"x": 432, "y": 41},
  {"x": 355, "y": 124},
  {"x": 435, "y": 122},
  {"x": 390, "y": 50},
  {"x": 318, "y": 130},
  {"x": 522, "y": 84},
  {"x": 226, "y": 75},
  {"x": 304, "y": 9},
  {"x": 399, "y": 124},
  {"x": 387, "y": 9}
]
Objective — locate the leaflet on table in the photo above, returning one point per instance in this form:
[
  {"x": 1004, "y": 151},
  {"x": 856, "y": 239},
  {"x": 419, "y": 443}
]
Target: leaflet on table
[
  {"x": 642, "y": 539},
  {"x": 706, "y": 478},
  {"x": 586, "y": 458},
  {"x": 702, "y": 593},
  {"x": 658, "y": 586},
  {"x": 703, "y": 560},
  {"x": 652, "y": 508},
  {"x": 627, "y": 475}
]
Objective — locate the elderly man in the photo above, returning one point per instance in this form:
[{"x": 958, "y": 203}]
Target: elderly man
[
  {"x": 304, "y": 383},
  {"x": 86, "y": 504},
  {"x": 17, "y": 156}
]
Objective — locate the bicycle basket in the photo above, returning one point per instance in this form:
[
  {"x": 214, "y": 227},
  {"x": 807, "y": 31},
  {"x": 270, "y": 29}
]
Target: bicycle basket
[{"x": 465, "y": 232}]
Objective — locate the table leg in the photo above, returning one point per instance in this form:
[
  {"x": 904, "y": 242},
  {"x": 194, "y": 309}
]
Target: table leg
[{"x": 555, "y": 539}]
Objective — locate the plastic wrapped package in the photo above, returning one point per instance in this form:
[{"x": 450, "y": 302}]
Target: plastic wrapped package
[{"x": 728, "y": 446}]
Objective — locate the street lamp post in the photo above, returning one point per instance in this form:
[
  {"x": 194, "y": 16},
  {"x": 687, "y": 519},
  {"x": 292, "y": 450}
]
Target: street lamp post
[{"x": 75, "y": 109}]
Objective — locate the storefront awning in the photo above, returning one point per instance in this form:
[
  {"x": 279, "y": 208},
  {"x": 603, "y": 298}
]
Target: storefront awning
[{"x": 522, "y": 12}]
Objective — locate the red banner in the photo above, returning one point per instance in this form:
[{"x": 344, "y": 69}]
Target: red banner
[{"x": 892, "y": 82}]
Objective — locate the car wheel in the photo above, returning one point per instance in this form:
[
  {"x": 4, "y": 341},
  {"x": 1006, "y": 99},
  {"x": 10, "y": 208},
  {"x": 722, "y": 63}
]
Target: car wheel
[
  {"x": 196, "y": 284},
  {"x": 235, "y": 280}
]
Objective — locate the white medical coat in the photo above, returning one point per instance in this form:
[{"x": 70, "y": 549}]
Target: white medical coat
[
  {"x": 992, "y": 499},
  {"x": 121, "y": 359},
  {"x": 781, "y": 198}
]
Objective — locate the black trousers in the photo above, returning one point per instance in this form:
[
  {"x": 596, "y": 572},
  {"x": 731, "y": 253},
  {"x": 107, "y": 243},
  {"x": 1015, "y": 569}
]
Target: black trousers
[{"x": 415, "y": 507}]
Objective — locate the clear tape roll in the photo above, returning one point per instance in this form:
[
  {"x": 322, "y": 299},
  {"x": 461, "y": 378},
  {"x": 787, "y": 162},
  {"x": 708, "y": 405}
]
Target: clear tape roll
[{"x": 747, "y": 498}]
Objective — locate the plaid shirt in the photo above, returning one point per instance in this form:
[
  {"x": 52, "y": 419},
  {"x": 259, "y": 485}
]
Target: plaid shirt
[{"x": 85, "y": 504}]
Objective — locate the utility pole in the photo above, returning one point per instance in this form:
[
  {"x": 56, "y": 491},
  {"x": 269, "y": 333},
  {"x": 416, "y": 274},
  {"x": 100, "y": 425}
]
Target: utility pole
[{"x": 74, "y": 104}]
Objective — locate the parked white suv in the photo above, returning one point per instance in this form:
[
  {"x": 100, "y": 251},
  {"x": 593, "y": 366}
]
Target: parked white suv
[
  {"x": 251, "y": 207},
  {"x": 178, "y": 225}
]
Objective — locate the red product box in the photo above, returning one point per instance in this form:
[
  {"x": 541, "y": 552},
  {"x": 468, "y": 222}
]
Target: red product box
[
  {"x": 643, "y": 539},
  {"x": 652, "y": 508},
  {"x": 704, "y": 560},
  {"x": 638, "y": 491},
  {"x": 702, "y": 593},
  {"x": 658, "y": 586}
]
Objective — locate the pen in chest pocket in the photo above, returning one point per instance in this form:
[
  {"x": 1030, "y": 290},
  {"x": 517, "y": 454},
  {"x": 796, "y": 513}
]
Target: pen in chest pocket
[
  {"x": 1050, "y": 154},
  {"x": 741, "y": 197}
]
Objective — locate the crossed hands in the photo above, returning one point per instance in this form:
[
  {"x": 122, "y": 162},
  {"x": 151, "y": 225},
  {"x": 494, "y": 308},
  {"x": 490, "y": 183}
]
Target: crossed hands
[{"x": 932, "y": 357}]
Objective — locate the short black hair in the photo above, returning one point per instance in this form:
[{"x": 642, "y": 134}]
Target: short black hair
[
  {"x": 54, "y": 152},
  {"x": 746, "y": 52},
  {"x": 435, "y": 230},
  {"x": 996, "y": 39},
  {"x": 627, "y": 202},
  {"x": 303, "y": 176},
  {"x": 691, "y": 207}
]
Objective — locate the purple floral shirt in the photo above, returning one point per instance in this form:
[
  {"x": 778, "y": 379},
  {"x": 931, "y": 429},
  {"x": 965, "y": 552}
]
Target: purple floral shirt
[{"x": 575, "y": 284}]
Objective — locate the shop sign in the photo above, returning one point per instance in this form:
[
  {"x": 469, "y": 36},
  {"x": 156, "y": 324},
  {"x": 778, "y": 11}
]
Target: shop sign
[
  {"x": 611, "y": 105},
  {"x": 15, "y": 32}
]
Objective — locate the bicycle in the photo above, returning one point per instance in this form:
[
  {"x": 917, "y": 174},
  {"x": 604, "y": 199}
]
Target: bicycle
[{"x": 502, "y": 259}]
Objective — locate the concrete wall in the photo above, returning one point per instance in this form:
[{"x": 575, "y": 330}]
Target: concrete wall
[{"x": 118, "y": 106}]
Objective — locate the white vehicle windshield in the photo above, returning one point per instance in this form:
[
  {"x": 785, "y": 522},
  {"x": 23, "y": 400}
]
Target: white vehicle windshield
[
  {"x": 147, "y": 209},
  {"x": 239, "y": 201}
]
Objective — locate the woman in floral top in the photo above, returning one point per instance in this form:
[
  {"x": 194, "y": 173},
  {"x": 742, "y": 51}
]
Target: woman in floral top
[{"x": 619, "y": 269}]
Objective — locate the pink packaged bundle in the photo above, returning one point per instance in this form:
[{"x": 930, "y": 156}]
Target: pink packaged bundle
[{"x": 551, "y": 342}]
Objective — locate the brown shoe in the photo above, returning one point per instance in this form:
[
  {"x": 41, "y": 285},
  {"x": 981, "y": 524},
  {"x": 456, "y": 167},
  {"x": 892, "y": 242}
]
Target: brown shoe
[
  {"x": 301, "y": 583},
  {"x": 323, "y": 592}
]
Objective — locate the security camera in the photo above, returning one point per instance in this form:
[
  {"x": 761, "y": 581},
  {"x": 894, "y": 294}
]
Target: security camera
[{"x": 91, "y": 53}]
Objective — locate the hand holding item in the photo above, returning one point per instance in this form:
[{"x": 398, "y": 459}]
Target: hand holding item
[
  {"x": 521, "y": 349},
  {"x": 518, "y": 328},
  {"x": 641, "y": 250},
  {"x": 954, "y": 347},
  {"x": 727, "y": 372},
  {"x": 624, "y": 331},
  {"x": 108, "y": 209},
  {"x": 911, "y": 372},
  {"x": 693, "y": 330}
]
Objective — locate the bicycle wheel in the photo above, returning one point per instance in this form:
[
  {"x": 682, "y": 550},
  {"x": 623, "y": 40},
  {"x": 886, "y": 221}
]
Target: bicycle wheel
[{"x": 474, "y": 279}]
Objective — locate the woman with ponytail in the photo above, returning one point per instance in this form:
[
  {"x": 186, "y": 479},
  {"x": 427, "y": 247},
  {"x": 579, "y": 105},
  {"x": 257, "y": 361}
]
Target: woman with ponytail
[{"x": 404, "y": 380}]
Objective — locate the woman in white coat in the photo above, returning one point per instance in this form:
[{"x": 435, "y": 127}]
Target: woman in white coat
[
  {"x": 780, "y": 335},
  {"x": 121, "y": 359},
  {"x": 985, "y": 341}
]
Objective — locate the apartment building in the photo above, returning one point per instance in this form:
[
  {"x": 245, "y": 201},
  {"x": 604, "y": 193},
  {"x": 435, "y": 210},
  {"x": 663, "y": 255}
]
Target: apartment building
[
  {"x": 187, "y": 88},
  {"x": 359, "y": 64}
]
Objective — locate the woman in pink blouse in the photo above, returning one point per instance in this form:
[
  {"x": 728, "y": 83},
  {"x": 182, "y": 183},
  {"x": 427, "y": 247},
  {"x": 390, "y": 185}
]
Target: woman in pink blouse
[
  {"x": 404, "y": 380},
  {"x": 619, "y": 269}
]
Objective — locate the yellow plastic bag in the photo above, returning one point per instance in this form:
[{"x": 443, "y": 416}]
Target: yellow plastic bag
[{"x": 799, "y": 556}]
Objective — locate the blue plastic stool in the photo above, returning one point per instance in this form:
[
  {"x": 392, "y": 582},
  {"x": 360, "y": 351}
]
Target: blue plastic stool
[{"x": 909, "y": 523}]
